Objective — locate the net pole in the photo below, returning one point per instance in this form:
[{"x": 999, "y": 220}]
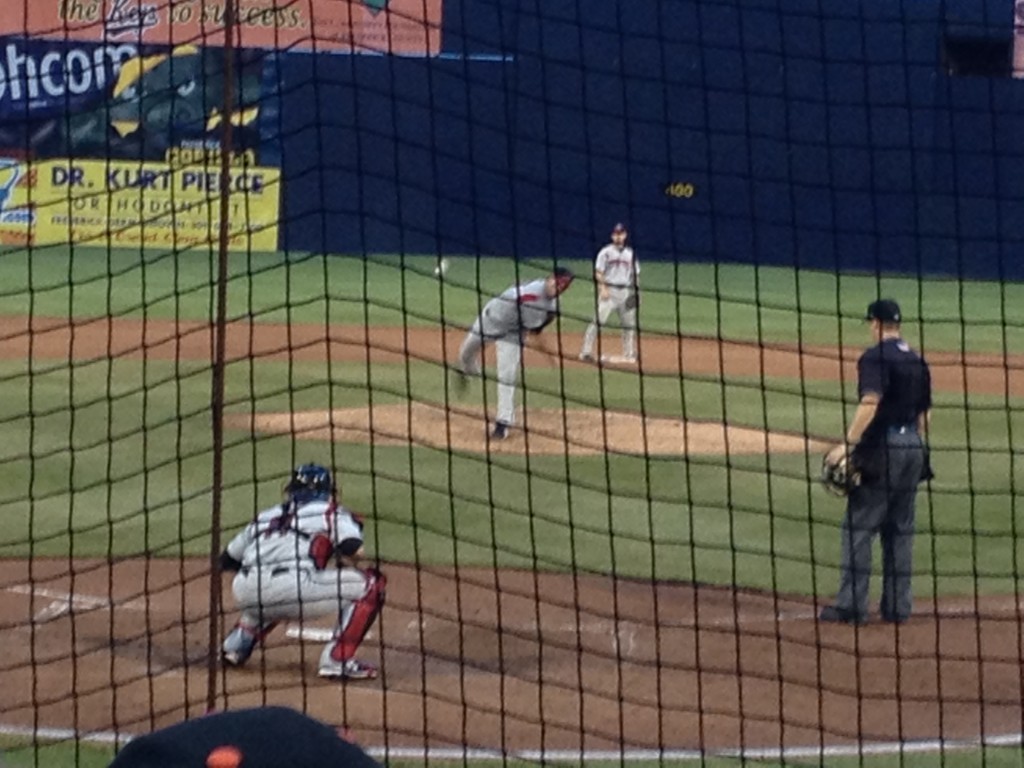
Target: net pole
[{"x": 219, "y": 351}]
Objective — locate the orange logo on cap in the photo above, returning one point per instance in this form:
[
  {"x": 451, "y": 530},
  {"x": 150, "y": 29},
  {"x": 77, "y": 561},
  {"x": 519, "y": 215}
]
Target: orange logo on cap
[{"x": 224, "y": 757}]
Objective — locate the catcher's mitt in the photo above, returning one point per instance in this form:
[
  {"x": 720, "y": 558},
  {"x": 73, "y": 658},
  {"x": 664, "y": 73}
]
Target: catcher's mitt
[
  {"x": 841, "y": 477},
  {"x": 632, "y": 301}
]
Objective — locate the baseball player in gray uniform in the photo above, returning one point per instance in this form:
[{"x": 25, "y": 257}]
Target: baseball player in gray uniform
[
  {"x": 617, "y": 273},
  {"x": 300, "y": 559},
  {"x": 505, "y": 319}
]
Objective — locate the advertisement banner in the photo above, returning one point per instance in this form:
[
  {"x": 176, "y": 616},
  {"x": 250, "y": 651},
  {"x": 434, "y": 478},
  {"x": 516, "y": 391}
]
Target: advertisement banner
[
  {"x": 118, "y": 100},
  {"x": 125, "y": 203},
  {"x": 43, "y": 79},
  {"x": 402, "y": 27}
]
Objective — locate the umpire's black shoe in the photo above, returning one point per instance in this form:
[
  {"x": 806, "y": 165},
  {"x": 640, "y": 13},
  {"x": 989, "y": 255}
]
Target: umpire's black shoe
[
  {"x": 892, "y": 618},
  {"x": 836, "y": 615},
  {"x": 500, "y": 431}
]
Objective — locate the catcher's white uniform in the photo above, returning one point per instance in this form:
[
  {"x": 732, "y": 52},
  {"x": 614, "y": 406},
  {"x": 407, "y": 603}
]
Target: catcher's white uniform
[
  {"x": 618, "y": 267},
  {"x": 280, "y": 575},
  {"x": 285, "y": 560}
]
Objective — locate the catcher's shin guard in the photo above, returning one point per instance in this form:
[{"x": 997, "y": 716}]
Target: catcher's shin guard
[{"x": 356, "y": 621}]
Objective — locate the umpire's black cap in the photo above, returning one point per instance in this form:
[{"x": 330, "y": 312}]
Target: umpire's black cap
[
  {"x": 886, "y": 310},
  {"x": 266, "y": 737}
]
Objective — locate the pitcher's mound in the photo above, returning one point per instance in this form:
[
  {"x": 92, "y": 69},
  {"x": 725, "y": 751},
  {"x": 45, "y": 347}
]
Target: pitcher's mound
[{"x": 546, "y": 431}]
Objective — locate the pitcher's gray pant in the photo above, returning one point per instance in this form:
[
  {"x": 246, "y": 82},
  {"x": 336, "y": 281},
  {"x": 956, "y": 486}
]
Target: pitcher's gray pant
[
  {"x": 616, "y": 302},
  {"x": 885, "y": 506},
  {"x": 509, "y": 352}
]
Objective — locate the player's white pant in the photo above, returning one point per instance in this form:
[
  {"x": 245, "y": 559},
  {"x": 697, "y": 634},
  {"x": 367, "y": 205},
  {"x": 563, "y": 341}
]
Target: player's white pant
[
  {"x": 267, "y": 595},
  {"x": 616, "y": 302},
  {"x": 509, "y": 351}
]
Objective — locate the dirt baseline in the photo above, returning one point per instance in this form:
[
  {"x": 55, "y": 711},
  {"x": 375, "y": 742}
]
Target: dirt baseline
[
  {"x": 514, "y": 660},
  {"x": 87, "y": 339}
]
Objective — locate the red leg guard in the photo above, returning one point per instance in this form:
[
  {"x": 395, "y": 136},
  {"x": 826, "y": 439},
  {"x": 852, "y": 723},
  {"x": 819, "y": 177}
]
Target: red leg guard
[{"x": 364, "y": 613}]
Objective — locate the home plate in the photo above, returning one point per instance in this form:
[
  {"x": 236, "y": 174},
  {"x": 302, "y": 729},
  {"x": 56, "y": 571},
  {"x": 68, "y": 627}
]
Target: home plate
[{"x": 313, "y": 634}]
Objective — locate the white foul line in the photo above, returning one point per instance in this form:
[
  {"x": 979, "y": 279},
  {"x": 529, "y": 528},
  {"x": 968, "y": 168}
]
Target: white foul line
[{"x": 595, "y": 755}]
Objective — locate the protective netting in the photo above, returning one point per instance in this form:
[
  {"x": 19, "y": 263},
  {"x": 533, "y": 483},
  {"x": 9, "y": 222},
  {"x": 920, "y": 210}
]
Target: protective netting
[{"x": 240, "y": 236}]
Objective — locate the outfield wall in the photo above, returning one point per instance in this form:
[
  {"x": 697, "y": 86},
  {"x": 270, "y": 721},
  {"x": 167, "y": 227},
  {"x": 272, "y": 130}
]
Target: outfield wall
[{"x": 826, "y": 135}]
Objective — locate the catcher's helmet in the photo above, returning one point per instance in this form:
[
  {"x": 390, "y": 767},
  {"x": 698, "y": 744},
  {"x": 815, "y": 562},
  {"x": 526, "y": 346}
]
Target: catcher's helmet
[{"x": 309, "y": 482}]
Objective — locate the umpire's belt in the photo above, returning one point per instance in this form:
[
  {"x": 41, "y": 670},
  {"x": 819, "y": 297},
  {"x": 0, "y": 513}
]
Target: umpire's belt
[
  {"x": 277, "y": 570},
  {"x": 902, "y": 429}
]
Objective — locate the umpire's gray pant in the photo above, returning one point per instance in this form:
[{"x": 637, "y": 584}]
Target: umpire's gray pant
[{"x": 884, "y": 505}]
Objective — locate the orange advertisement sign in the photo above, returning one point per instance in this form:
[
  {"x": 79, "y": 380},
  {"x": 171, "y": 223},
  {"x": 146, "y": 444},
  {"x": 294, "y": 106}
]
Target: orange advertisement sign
[{"x": 403, "y": 27}]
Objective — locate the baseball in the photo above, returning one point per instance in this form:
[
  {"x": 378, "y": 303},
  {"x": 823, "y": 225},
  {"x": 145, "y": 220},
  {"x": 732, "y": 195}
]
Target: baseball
[{"x": 441, "y": 269}]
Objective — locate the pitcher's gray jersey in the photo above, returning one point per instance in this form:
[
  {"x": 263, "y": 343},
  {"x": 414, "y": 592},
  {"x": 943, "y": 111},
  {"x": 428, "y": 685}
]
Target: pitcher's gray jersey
[
  {"x": 282, "y": 535},
  {"x": 618, "y": 265},
  {"x": 521, "y": 307}
]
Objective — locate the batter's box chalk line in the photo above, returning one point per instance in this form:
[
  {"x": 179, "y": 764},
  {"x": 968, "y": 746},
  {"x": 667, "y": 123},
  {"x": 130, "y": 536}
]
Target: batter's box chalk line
[
  {"x": 624, "y": 636},
  {"x": 626, "y": 629},
  {"x": 62, "y": 602}
]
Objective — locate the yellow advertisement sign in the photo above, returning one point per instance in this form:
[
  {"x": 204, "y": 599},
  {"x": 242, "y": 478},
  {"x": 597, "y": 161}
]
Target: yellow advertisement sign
[{"x": 130, "y": 203}]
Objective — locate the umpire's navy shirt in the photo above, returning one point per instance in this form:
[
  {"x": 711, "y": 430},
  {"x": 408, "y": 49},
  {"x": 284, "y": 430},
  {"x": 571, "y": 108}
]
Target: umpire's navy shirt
[{"x": 900, "y": 377}]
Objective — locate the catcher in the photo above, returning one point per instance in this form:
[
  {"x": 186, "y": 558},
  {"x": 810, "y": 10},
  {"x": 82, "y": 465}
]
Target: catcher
[
  {"x": 878, "y": 469},
  {"x": 284, "y": 569},
  {"x": 617, "y": 275}
]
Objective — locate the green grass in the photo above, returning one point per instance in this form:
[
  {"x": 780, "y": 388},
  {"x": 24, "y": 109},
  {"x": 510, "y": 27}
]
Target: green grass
[
  {"x": 127, "y": 451},
  {"x": 733, "y": 301},
  {"x": 17, "y": 753}
]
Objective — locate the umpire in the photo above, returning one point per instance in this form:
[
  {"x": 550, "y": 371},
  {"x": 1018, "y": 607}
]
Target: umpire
[{"x": 886, "y": 441}]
